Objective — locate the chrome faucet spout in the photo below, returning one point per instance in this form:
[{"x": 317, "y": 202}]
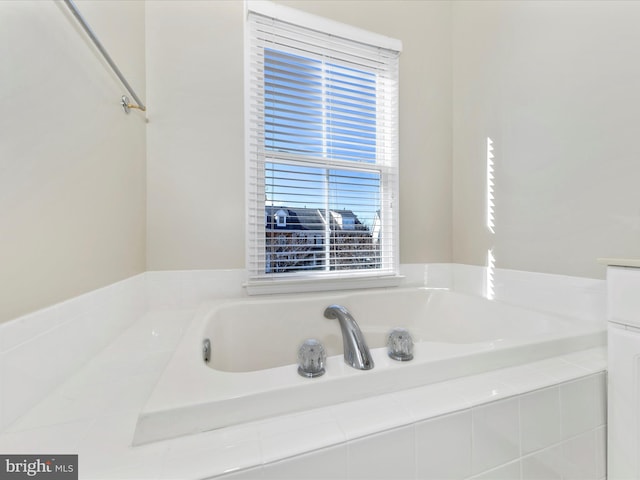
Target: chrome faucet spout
[{"x": 356, "y": 351}]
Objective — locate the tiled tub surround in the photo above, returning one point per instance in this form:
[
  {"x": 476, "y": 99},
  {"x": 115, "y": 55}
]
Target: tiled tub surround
[
  {"x": 39, "y": 351},
  {"x": 94, "y": 410},
  {"x": 557, "y": 432},
  {"x": 543, "y": 420}
]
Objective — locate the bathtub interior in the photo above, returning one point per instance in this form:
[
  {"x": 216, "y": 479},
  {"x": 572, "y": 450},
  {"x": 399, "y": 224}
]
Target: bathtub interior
[
  {"x": 251, "y": 335},
  {"x": 257, "y": 334}
]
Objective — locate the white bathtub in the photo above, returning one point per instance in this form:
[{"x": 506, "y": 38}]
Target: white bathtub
[{"x": 252, "y": 373}]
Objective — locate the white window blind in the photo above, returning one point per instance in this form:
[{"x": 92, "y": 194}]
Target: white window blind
[{"x": 322, "y": 154}]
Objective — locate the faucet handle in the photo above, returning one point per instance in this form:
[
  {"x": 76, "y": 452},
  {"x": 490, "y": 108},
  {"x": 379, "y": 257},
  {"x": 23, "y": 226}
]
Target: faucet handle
[
  {"x": 400, "y": 344},
  {"x": 311, "y": 358}
]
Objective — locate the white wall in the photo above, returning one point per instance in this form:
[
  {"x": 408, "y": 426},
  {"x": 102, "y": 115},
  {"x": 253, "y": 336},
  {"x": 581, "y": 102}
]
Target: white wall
[
  {"x": 196, "y": 137},
  {"x": 72, "y": 179},
  {"x": 555, "y": 85}
]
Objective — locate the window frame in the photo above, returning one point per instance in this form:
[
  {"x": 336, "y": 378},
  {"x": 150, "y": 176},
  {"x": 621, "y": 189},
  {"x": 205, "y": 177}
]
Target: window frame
[{"x": 324, "y": 280}]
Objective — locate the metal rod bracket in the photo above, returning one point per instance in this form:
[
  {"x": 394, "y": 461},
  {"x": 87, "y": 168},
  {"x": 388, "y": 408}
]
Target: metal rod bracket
[{"x": 127, "y": 105}]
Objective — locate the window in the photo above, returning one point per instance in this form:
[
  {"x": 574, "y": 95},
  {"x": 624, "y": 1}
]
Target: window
[
  {"x": 281, "y": 218},
  {"x": 321, "y": 146}
]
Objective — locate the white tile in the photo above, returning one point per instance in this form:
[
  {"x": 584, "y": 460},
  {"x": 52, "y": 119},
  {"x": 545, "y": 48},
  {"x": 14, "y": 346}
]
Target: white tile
[
  {"x": 201, "y": 285},
  {"x": 141, "y": 471},
  {"x": 134, "y": 295},
  {"x": 81, "y": 399},
  {"x": 196, "y": 287},
  {"x": 125, "y": 394},
  {"x": 443, "y": 447},
  {"x": 212, "y": 453},
  {"x": 559, "y": 369},
  {"x": 570, "y": 296},
  {"x": 76, "y": 306},
  {"x": 543, "y": 465},
  {"x": 115, "y": 368},
  {"x": 468, "y": 279},
  {"x": 62, "y": 438},
  {"x": 189, "y": 288},
  {"x": 540, "y": 419},
  {"x": 496, "y": 434},
  {"x": 431, "y": 401},
  {"x": 434, "y": 275},
  {"x": 601, "y": 452},
  {"x": 35, "y": 368},
  {"x": 247, "y": 474},
  {"x": 153, "y": 332},
  {"x": 318, "y": 465},
  {"x": 579, "y": 457},
  {"x": 370, "y": 415},
  {"x": 578, "y": 403},
  {"x": 112, "y": 435},
  {"x": 80, "y": 339},
  {"x": 385, "y": 455},
  {"x": 623, "y": 285},
  {"x": 481, "y": 388},
  {"x": 291, "y": 435},
  {"x": 510, "y": 471},
  {"x": 236, "y": 434},
  {"x": 600, "y": 385},
  {"x": 417, "y": 274},
  {"x": 25, "y": 381},
  {"x": 524, "y": 378},
  {"x": 594, "y": 359},
  {"x": 623, "y": 399},
  {"x": 55, "y": 409},
  {"x": 164, "y": 290},
  {"x": 27, "y": 327},
  {"x": 115, "y": 309}
]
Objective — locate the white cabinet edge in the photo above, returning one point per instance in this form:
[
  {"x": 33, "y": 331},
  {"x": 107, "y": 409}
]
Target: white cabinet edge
[{"x": 620, "y": 262}]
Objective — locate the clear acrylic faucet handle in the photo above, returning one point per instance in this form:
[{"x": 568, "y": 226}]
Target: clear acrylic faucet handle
[
  {"x": 311, "y": 358},
  {"x": 400, "y": 345}
]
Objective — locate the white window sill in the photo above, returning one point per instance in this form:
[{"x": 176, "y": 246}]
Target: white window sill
[{"x": 306, "y": 285}]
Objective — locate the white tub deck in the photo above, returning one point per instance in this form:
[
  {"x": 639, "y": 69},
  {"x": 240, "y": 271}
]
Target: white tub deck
[{"x": 94, "y": 413}]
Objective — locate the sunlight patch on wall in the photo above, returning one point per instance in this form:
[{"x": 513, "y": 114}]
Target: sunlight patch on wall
[
  {"x": 491, "y": 260},
  {"x": 489, "y": 280},
  {"x": 490, "y": 198}
]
